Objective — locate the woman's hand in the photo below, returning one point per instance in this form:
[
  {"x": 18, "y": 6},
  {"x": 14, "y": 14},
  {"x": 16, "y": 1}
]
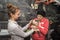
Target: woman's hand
[
  {"x": 34, "y": 28},
  {"x": 30, "y": 21}
]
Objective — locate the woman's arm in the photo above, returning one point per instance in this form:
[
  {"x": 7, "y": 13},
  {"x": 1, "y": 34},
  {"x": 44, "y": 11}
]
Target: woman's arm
[
  {"x": 44, "y": 29},
  {"x": 26, "y": 27},
  {"x": 19, "y": 32}
]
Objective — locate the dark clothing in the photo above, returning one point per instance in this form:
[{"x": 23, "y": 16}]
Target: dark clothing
[
  {"x": 56, "y": 33},
  {"x": 50, "y": 9}
]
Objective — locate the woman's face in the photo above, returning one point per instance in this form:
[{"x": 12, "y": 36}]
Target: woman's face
[
  {"x": 16, "y": 15},
  {"x": 39, "y": 17}
]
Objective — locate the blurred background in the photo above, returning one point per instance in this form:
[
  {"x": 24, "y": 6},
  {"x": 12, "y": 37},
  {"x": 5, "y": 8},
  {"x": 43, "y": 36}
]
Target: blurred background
[{"x": 28, "y": 12}]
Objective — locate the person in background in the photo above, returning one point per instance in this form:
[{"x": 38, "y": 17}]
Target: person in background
[
  {"x": 47, "y": 2},
  {"x": 41, "y": 24},
  {"x": 49, "y": 7},
  {"x": 15, "y": 30}
]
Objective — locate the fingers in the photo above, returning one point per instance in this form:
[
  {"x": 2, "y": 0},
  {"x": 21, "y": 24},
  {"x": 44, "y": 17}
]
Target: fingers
[
  {"x": 32, "y": 26},
  {"x": 31, "y": 21}
]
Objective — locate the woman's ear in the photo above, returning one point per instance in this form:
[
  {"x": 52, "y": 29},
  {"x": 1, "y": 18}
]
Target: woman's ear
[{"x": 11, "y": 14}]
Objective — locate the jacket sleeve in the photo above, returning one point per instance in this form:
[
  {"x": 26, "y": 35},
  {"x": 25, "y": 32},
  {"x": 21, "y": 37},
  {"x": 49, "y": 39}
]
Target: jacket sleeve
[
  {"x": 25, "y": 27},
  {"x": 19, "y": 32},
  {"x": 44, "y": 29}
]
